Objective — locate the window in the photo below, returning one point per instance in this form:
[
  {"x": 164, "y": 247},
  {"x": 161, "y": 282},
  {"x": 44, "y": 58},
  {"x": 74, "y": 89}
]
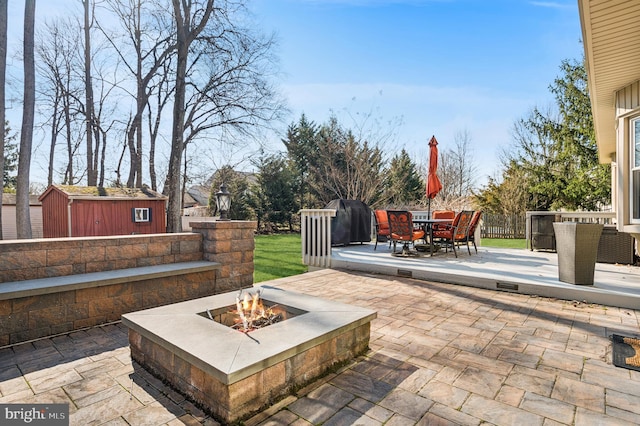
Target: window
[
  {"x": 635, "y": 170},
  {"x": 141, "y": 214}
]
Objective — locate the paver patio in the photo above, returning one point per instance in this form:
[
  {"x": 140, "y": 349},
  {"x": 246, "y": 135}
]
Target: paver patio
[{"x": 440, "y": 354}]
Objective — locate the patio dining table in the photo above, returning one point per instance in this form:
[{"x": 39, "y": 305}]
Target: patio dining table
[{"x": 427, "y": 226}]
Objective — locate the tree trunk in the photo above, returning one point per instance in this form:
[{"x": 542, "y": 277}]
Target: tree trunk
[
  {"x": 67, "y": 118},
  {"x": 186, "y": 32},
  {"x": 54, "y": 135},
  {"x": 3, "y": 68},
  {"x": 88, "y": 87},
  {"x": 102, "y": 158},
  {"x": 174, "y": 223},
  {"x": 23, "y": 217},
  {"x": 132, "y": 155},
  {"x": 153, "y": 133},
  {"x": 183, "y": 189}
]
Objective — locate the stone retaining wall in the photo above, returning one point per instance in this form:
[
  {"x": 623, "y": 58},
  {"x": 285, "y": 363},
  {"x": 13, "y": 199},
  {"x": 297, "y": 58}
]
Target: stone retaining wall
[
  {"x": 33, "y": 317},
  {"x": 53, "y": 257},
  {"x": 26, "y": 318},
  {"x": 230, "y": 243}
]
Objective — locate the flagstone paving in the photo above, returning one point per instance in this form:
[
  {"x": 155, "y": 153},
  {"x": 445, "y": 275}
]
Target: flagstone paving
[{"x": 440, "y": 354}]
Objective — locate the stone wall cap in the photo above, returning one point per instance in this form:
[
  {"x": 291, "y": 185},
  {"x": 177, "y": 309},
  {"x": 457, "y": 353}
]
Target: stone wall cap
[{"x": 225, "y": 224}]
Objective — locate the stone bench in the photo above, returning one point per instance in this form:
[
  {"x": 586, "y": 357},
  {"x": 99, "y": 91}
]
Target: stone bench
[
  {"x": 35, "y": 308},
  {"x": 40, "y": 286}
]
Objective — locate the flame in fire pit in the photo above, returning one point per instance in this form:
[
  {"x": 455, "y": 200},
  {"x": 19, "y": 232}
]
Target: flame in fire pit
[{"x": 252, "y": 313}]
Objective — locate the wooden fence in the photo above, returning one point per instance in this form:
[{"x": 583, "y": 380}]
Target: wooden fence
[{"x": 503, "y": 226}]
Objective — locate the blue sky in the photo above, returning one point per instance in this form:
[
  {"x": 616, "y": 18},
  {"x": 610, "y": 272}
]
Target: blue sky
[
  {"x": 442, "y": 66},
  {"x": 420, "y": 67}
]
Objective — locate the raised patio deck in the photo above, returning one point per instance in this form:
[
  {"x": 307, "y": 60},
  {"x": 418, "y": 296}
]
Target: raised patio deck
[{"x": 518, "y": 271}]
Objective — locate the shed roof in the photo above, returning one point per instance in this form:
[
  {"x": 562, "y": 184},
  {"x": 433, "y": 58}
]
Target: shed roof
[{"x": 98, "y": 192}]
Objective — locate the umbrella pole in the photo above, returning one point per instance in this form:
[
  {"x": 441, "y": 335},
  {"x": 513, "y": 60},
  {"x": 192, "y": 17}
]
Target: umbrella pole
[{"x": 428, "y": 208}]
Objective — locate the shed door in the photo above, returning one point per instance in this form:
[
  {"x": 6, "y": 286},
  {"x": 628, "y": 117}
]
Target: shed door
[{"x": 90, "y": 219}]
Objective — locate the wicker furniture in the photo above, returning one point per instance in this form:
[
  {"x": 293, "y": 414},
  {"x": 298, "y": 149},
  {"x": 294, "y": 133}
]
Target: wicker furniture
[
  {"x": 577, "y": 247},
  {"x": 616, "y": 247}
]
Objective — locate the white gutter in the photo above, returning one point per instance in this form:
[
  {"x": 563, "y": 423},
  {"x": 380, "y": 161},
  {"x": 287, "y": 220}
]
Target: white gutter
[{"x": 69, "y": 218}]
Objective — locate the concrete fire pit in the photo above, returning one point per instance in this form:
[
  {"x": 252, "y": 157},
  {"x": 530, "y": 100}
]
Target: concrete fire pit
[{"x": 234, "y": 374}]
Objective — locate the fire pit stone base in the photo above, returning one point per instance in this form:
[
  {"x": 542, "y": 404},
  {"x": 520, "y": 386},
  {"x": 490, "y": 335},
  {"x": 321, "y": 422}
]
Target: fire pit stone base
[
  {"x": 240, "y": 399},
  {"x": 232, "y": 374}
]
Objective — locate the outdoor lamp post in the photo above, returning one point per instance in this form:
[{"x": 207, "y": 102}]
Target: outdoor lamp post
[{"x": 223, "y": 201}]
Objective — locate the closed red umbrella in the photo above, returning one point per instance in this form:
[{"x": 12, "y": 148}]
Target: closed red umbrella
[{"x": 433, "y": 183}]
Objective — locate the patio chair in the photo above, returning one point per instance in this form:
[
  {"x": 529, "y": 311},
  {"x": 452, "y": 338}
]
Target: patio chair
[
  {"x": 456, "y": 233},
  {"x": 475, "y": 219},
  {"x": 442, "y": 214},
  {"x": 382, "y": 227},
  {"x": 402, "y": 230}
]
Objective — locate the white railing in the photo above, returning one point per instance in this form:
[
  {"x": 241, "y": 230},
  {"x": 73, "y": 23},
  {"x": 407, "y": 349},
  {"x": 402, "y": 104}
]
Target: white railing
[
  {"x": 605, "y": 218},
  {"x": 315, "y": 229}
]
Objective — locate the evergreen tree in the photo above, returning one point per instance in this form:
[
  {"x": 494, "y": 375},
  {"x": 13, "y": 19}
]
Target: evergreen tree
[
  {"x": 331, "y": 163},
  {"x": 238, "y": 186},
  {"x": 345, "y": 167},
  {"x": 10, "y": 160},
  {"x": 555, "y": 155},
  {"x": 301, "y": 148},
  {"x": 404, "y": 185},
  {"x": 275, "y": 192}
]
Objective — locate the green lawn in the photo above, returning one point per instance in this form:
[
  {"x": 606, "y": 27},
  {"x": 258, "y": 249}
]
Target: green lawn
[
  {"x": 277, "y": 256},
  {"x": 504, "y": 243}
]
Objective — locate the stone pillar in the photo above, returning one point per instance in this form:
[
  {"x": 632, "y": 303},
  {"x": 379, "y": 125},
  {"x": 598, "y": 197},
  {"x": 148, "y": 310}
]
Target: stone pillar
[{"x": 230, "y": 243}]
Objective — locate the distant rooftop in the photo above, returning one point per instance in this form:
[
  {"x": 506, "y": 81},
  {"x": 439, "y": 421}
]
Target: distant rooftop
[{"x": 10, "y": 200}]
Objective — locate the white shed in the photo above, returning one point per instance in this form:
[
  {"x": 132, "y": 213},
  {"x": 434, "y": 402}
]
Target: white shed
[{"x": 9, "y": 216}]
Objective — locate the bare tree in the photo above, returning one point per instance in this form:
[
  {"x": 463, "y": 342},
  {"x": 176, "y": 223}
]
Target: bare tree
[
  {"x": 3, "y": 69},
  {"x": 92, "y": 172},
  {"x": 234, "y": 92},
  {"x": 162, "y": 92},
  {"x": 201, "y": 56},
  {"x": 61, "y": 68},
  {"x": 57, "y": 48},
  {"x": 190, "y": 18},
  {"x": 457, "y": 172},
  {"x": 105, "y": 122},
  {"x": 143, "y": 47},
  {"x": 222, "y": 76},
  {"x": 23, "y": 217}
]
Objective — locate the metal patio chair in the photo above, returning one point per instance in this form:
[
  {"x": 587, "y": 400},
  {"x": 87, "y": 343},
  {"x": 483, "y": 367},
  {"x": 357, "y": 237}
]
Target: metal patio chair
[{"x": 402, "y": 230}]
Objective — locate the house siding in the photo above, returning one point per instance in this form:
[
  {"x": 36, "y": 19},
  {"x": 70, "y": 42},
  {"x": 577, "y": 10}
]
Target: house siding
[
  {"x": 628, "y": 99},
  {"x": 610, "y": 39},
  {"x": 627, "y": 106}
]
